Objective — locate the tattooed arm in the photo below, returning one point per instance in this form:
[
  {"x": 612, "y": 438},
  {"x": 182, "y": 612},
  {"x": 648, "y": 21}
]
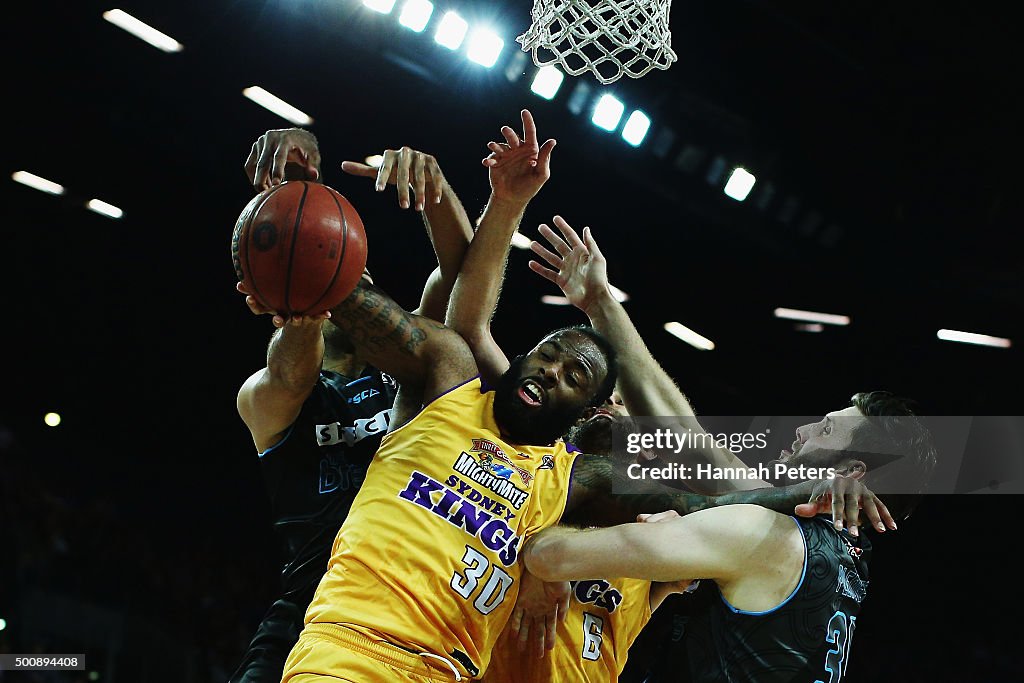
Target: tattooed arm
[
  {"x": 602, "y": 494},
  {"x": 412, "y": 349}
]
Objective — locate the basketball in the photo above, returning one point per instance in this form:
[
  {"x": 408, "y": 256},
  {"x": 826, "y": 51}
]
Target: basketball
[{"x": 299, "y": 247}]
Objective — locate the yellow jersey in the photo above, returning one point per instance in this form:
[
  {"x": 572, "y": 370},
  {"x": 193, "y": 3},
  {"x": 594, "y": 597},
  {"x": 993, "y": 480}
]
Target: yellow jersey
[
  {"x": 593, "y": 640},
  {"x": 428, "y": 556}
]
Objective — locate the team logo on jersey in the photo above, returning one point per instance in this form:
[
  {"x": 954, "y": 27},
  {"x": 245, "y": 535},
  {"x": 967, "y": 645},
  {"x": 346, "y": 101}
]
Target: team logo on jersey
[
  {"x": 851, "y": 585},
  {"x": 389, "y": 380},
  {"x": 490, "y": 527},
  {"x": 547, "y": 462},
  {"x": 491, "y": 452},
  {"x": 329, "y": 435}
]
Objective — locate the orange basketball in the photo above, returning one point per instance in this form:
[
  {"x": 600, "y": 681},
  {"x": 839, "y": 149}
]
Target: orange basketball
[{"x": 299, "y": 247}]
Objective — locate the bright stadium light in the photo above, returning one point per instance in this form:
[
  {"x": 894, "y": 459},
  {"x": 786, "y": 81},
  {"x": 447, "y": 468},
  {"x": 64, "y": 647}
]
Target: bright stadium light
[
  {"x": 451, "y": 31},
  {"x": 104, "y": 209},
  {"x": 3, "y": 624},
  {"x": 416, "y": 14},
  {"x": 740, "y": 183},
  {"x": 689, "y": 336},
  {"x": 809, "y": 327},
  {"x": 974, "y": 338},
  {"x": 608, "y": 113},
  {"x": 521, "y": 241},
  {"x": 143, "y": 31},
  {"x": 812, "y": 317},
  {"x": 37, "y": 183},
  {"x": 51, "y": 419},
  {"x": 278, "y": 106},
  {"x": 484, "y": 47},
  {"x": 636, "y": 128},
  {"x": 547, "y": 82},
  {"x": 382, "y": 6}
]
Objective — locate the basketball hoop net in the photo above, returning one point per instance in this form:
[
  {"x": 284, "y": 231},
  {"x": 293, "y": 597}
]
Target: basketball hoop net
[{"x": 607, "y": 37}]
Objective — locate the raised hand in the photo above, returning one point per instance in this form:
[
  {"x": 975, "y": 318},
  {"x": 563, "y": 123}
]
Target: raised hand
[
  {"x": 845, "y": 498},
  {"x": 405, "y": 168},
  {"x": 539, "y": 607},
  {"x": 579, "y": 268},
  {"x": 518, "y": 168},
  {"x": 280, "y": 155}
]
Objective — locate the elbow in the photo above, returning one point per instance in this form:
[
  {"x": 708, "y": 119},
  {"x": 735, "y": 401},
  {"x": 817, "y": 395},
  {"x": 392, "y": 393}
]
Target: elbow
[{"x": 547, "y": 561}]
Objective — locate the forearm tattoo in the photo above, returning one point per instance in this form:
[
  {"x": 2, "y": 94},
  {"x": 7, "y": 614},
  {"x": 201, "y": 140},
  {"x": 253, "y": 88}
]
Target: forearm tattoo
[{"x": 373, "y": 320}]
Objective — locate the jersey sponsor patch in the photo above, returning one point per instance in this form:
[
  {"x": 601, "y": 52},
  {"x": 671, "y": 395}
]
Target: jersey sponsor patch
[
  {"x": 363, "y": 395},
  {"x": 335, "y": 433},
  {"x": 489, "y": 474}
]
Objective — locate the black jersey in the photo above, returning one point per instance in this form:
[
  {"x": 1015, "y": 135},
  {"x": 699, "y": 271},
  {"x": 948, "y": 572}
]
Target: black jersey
[
  {"x": 805, "y": 639},
  {"x": 313, "y": 474}
]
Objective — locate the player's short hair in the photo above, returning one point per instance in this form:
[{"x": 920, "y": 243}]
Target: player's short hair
[
  {"x": 611, "y": 357},
  {"x": 895, "y": 441}
]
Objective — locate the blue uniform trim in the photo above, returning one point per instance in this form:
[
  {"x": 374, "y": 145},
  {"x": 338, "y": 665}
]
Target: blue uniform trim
[
  {"x": 357, "y": 381},
  {"x": 283, "y": 439},
  {"x": 803, "y": 575}
]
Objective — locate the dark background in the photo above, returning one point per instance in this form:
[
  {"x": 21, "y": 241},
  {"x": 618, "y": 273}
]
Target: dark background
[{"x": 138, "y": 531}]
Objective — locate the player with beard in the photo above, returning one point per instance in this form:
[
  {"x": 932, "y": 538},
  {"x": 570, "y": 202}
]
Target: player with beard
[{"x": 424, "y": 572}]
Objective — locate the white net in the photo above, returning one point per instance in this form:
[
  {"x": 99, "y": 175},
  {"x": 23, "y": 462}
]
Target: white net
[{"x": 609, "y": 38}]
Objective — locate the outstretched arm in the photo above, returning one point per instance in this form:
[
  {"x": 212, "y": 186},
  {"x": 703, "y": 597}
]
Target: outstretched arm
[
  {"x": 580, "y": 270},
  {"x": 517, "y": 170},
  {"x": 724, "y": 544},
  {"x": 270, "y": 400},
  {"x": 603, "y": 494},
  {"x": 444, "y": 217}
]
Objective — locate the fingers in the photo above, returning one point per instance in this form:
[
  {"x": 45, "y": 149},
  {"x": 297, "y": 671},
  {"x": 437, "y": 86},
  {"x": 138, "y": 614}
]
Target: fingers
[
  {"x": 402, "y": 178},
  {"x": 529, "y": 128},
  {"x": 851, "y": 513},
  {"x": 658, "y": 517},
  {"x": 869, "y": 505},
  {"x": 545, "y": 273},
  {"x": 262, "y": 178},
  {"x": 570, "y": 235},
  {"x": 838, "y": 503},
  {"x": 557, "y": 242},
  {"x": 280, "y": 159},
  {"x": 591, "y": 244},
  {"x": 313, "y": 165},
  {"x": 250, "y": 163},
  {"x": 384, "y": 172},
  {"x": 544, "y": 156},
  {"x": 356, "y": 168},
  {"x": 806, "y": 510},
  {"x": 419, "y": 180},
  {"x": 540, "y": 250},
  {"x": 516, "y": 620},
  {"x": 524, "y": 634},
  {"x": 437, "y": 179},
  {"x": 510, "y": 137},
  {"x": 548, "y": 641}
]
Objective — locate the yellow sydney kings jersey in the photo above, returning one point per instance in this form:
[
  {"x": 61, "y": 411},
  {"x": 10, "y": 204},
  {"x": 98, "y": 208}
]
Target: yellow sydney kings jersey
[
  {"x": 428, "y": 556},
  {"x": 593, "y": 640}
]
